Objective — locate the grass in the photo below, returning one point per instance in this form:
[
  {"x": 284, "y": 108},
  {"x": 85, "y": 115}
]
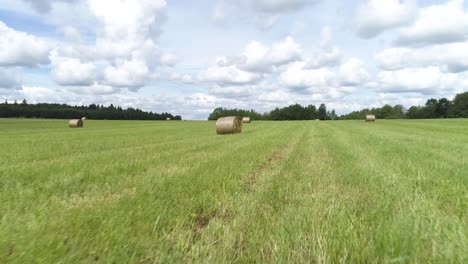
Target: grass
[{"x": 323, "y": 192}]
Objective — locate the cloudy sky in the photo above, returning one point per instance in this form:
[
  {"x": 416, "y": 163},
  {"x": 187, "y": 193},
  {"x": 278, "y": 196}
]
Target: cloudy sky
[{"x": 188, "y": 57}]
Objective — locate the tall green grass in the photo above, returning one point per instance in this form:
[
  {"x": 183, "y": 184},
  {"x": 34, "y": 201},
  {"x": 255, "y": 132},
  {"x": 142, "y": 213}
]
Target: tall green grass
[{"x": 321, "y": 192}]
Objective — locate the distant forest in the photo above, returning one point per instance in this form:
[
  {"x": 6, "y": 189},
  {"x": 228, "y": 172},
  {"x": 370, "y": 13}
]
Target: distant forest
[
  {"x": 434, "y": 108},
  {"x": 93, "y": 111},
  {"x": 292, "y": 112}
]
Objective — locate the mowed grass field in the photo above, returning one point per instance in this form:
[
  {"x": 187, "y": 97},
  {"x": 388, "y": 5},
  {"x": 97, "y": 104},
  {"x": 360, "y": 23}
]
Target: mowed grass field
[{"x": 393, "y": 191}]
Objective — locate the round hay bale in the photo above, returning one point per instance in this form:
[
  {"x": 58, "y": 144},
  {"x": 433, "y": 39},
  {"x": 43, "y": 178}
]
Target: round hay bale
[
  {"x": 370, "y": 118},
  {"x": 229, "y": 125},
  {"x": 75, "y": 123},
  {"x": 83, "y": 118},
  {"x": 246, "y": 119},
  {"x": 168, "y": 119},
  {"x": 317, "y": 119}
]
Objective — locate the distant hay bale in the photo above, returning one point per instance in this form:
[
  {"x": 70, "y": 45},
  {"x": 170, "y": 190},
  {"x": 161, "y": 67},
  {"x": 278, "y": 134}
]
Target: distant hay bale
[
  {"x": 246, "y": 119},
  {"x": 168, "y": 119},
  {"x": 317, "y": 119},
  {"x": 75, "y": 123},
  {"x": 229, "y": 125},
  {"x": 83, "y": 118},
  {"x": 370, "y": 118}
]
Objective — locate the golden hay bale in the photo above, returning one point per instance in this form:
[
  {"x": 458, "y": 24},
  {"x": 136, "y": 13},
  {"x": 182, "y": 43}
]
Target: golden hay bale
[
  {"x": 168, "y": 118},
  {"x": 75, "y": 123},
  {"x": 370, "y": 118},
  {"x": 229, "y": 125},
  {"x": 246, "y": 119}
]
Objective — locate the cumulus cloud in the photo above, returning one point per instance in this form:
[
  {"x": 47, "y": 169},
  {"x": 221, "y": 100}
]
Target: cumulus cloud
[
  {"x": 228, "y": 75},
  {"x": 234, "y": 91},
  {"x": 259, "y": 58},
  {"x": 183, "y": 78},
  {"x": 71, "y": 71},
  {"x": 255, "y": 61},
  {"x": 437, "y": 24},
  {"x": 376, "y": 16},
  {"x": 262, "y": 13},
  {"x": 45, "y": 5},
  {"x": 280, "y": 6},
  {"x": 127, "y": 24},
  {"x": 328, "y": 56},
  {"x": 132, "y": 74},
  {"x": 352, "y": 72},
  {"x": 22, "y": 49},
  {"x": 94, "y": 89},
  {"x": 450, "y": 57},
  {"x": 10, "y": 78},
  {"x": 422, "y": 80},
  {"x": 125, "y": 51},
  {"x": 322, "y": 59},
  {"x": 298, "y": 78}
]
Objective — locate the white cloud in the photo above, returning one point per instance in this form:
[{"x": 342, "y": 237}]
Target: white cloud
[
  {"x": 443, "y": 23},
  {"x": 325, "y": 37},
  {"x": 183, "y": 78},
  {"x": 37, "y": 94},
  {"x": 262, "y": 13},
  {"x": 234, "y": 91},
  {"x": 324, "y": 59},
  {"x": 71, "y": 34},
  {"x": 423, "y": 80},
  {"x": 279, "y": 6},
  {"x": 260, "y": 58},
  {"x": 352, "y": 72},
  {"x": 127, "y": 24},
  {"x": 131, "y": 73},
  {"x": 21, "y": 49},
  {"x": 10, "y": 78},
  {"x": 298, "y": 78},
  {"x": 71, "y": 71},
  {"x": 450, "y": 57},
  {"x": 228, "y": 75},
  {"x": 46, "y": 5},
  {"x": 125, "y": 51},
  {"x": 375, "y": 16},
  {"x": 95, "y": 89}
]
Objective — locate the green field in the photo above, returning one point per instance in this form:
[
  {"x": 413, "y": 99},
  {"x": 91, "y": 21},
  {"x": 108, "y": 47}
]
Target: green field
[{"x": 393, "y": 191}]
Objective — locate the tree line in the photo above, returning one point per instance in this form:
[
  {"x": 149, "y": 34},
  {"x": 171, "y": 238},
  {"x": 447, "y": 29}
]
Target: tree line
[
  {"x": 434, "y": 108},
  {"x": 292, "y": 112},
  {"x": 93, "y": 111}
]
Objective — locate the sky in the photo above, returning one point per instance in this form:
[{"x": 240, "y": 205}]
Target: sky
[{"x": 189, "y": 57}]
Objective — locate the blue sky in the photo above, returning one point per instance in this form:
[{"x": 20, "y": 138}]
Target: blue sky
[{"x": 188, "y": 57}]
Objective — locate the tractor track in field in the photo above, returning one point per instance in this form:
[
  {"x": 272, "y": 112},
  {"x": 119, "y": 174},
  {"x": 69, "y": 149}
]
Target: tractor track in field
[{"x": 277, "y": 157}]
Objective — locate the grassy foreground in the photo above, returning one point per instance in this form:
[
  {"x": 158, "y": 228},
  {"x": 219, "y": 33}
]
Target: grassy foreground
[{"x": 151, "y": 192}]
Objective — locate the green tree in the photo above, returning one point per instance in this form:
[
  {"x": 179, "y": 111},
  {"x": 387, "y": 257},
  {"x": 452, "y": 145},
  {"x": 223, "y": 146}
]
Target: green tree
[
  {"x": 459, "y": 107},
  {"x": 322, "y": 112},
  {"x": 442, "y": 108}
]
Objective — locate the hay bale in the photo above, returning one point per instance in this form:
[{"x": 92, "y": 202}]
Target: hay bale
[
  {"x": 370, "y": 118},
  {"x": 168, "y": 119},
  {"x": 317, "y": 119},
  {"x": 75, "y": 123},
  {"x": 246, "y": 119},
  {"x": 229, "y": 125},
  {"x": 83, "y": 118}
]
